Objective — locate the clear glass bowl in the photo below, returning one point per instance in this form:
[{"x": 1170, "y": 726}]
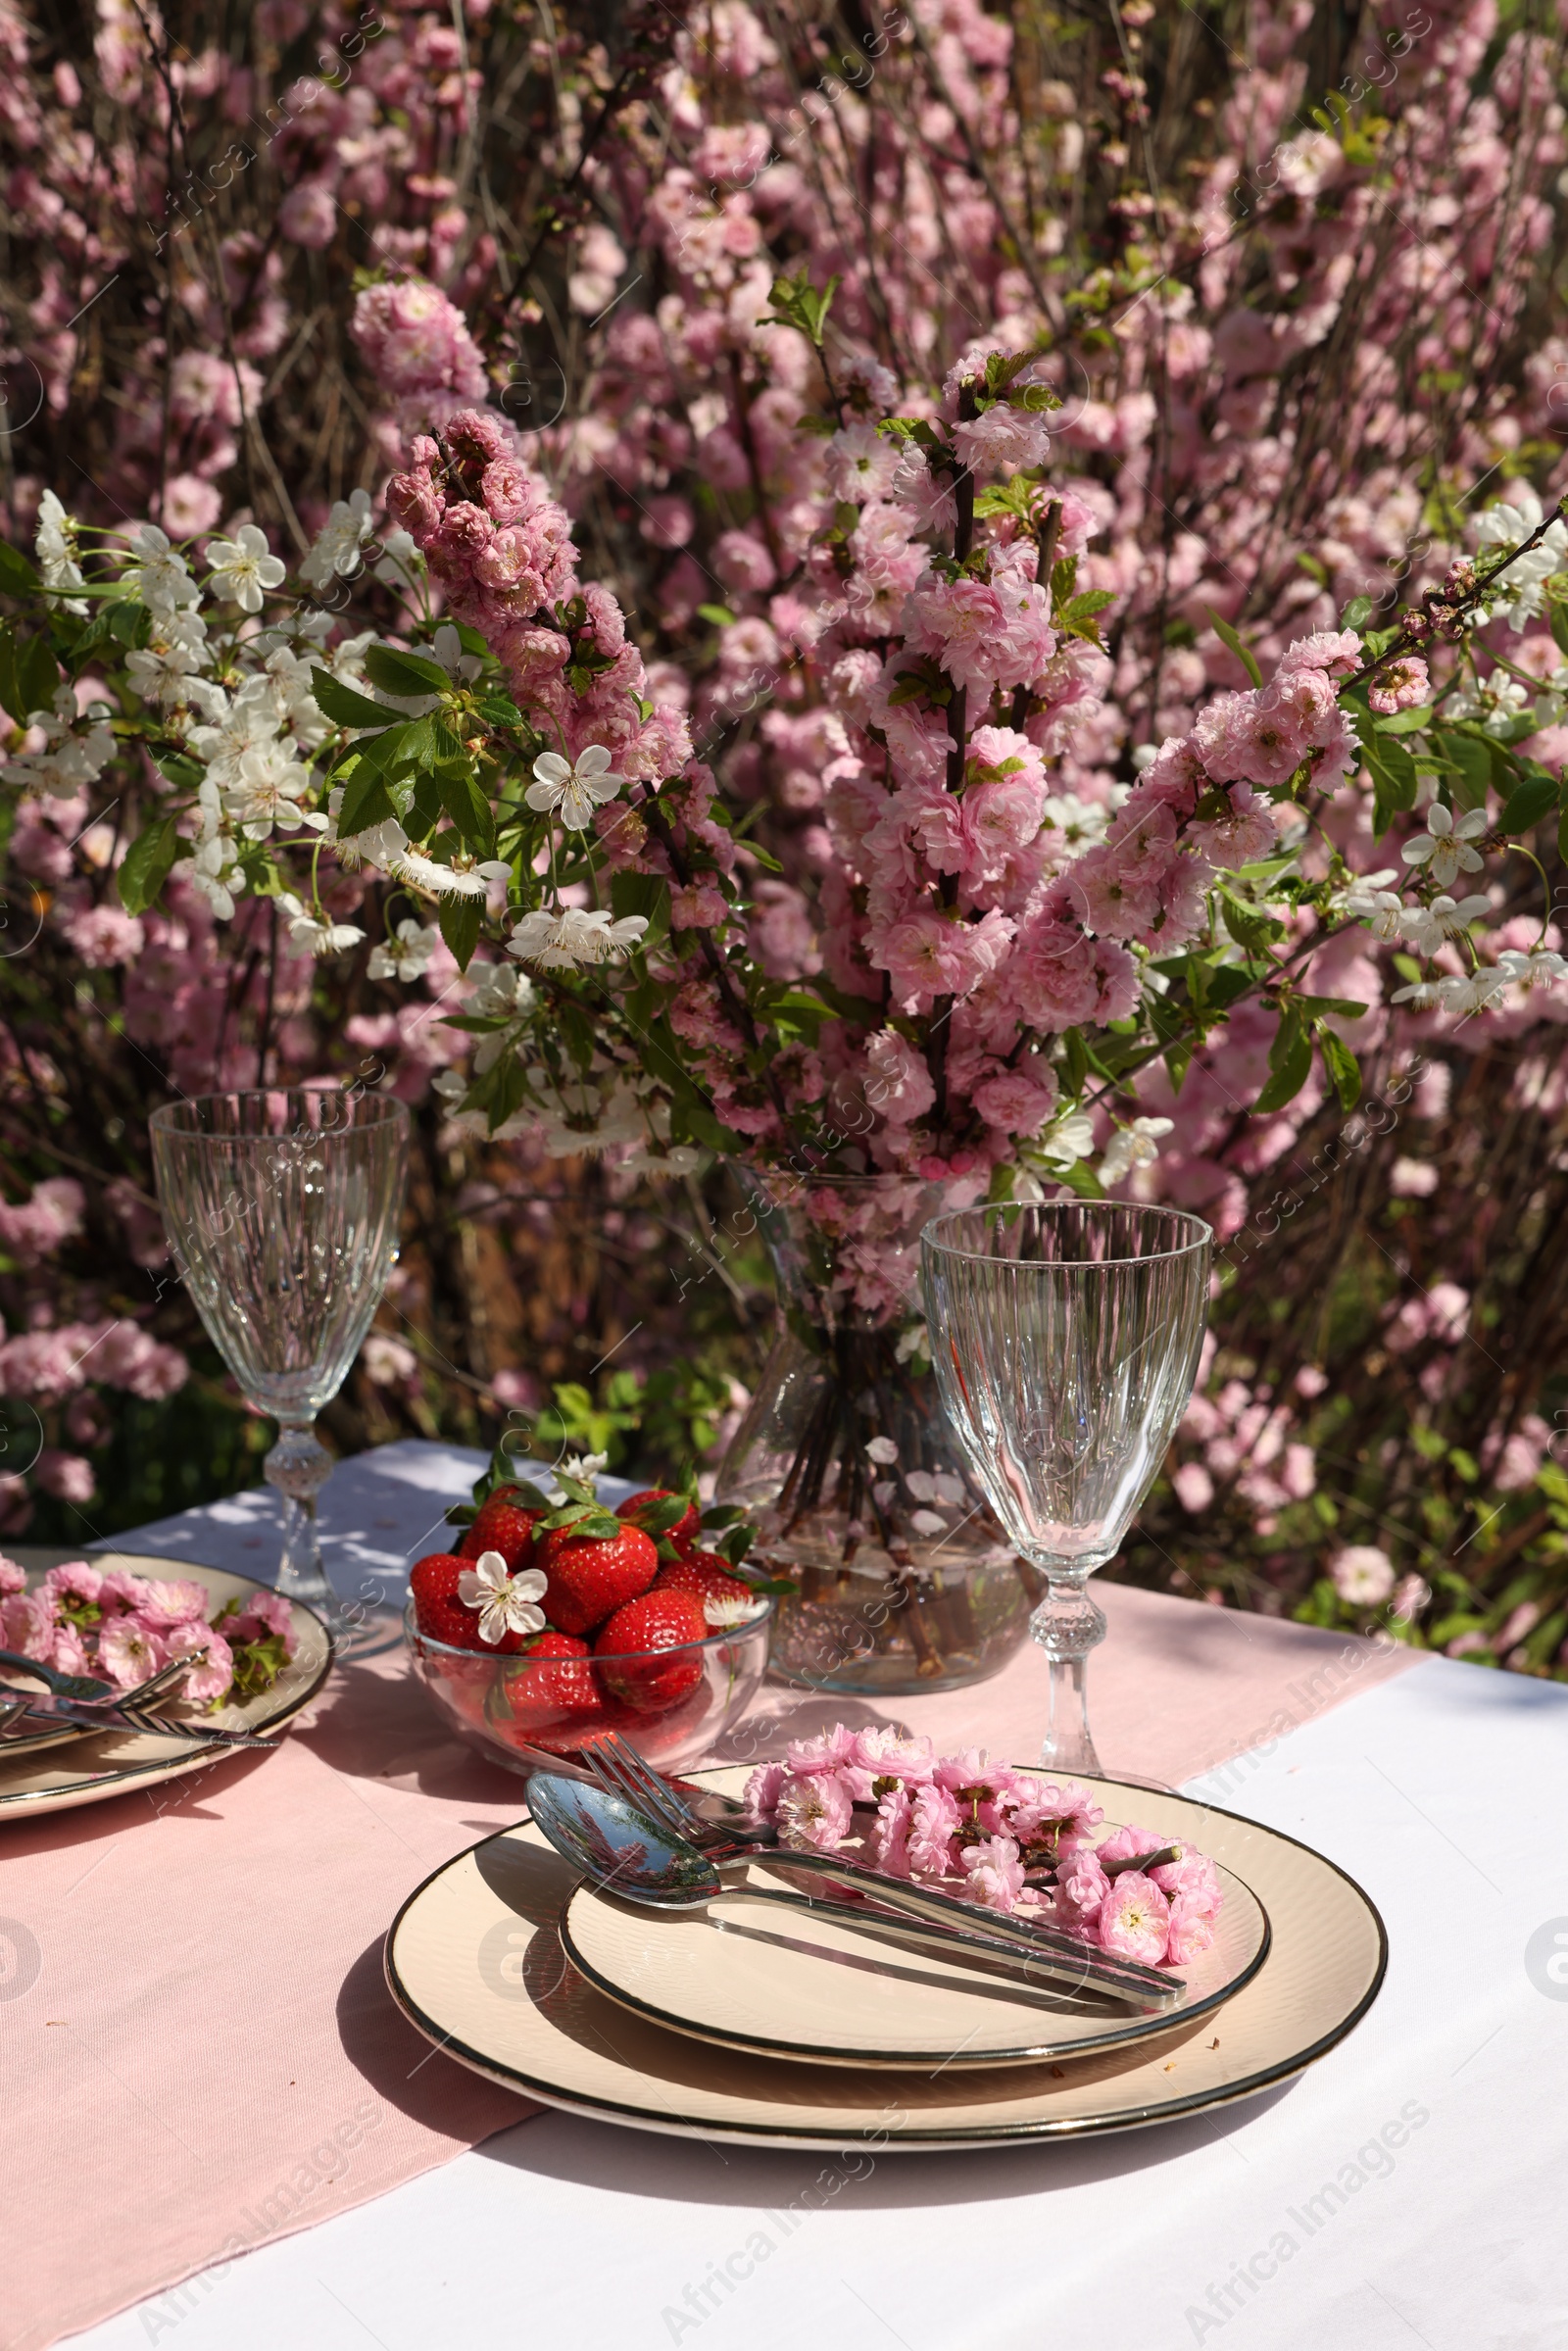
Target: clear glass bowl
[{"x": 670, "y": 1704}]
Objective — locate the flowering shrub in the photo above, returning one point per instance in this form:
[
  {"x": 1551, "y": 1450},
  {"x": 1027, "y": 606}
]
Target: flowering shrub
[{"x": 1047, "y": 856}]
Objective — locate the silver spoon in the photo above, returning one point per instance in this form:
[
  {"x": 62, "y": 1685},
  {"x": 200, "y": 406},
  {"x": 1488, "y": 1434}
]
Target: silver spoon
[{"x": 621, "y": 1850}]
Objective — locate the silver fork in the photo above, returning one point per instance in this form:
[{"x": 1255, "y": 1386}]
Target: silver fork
[{"x": 622, "y": 1772}]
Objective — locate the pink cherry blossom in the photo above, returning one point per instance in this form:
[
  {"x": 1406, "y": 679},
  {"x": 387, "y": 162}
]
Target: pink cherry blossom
[{"x": 1134, "y": 1919}]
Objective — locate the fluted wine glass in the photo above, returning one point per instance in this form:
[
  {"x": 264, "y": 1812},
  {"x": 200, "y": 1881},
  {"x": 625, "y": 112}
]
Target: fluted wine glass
[
  {"x": 281, "y": 1208},
  {"x": 1064, "y": 1339}
]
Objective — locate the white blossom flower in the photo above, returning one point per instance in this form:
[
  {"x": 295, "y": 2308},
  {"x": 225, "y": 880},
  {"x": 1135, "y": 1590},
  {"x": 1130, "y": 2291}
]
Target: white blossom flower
[
  {"x": 467, "y": 876},
  {"x": 496, "y": 988},
  {"x": 1475, "y": 992},
  {"x": 1427, "y": 927},
  {"x": 406, "y": 956},
  {"x": 216, "y": 873},
  {"x": 314, "y": 931},
  {"x": 584, "y": 1469},
  {"x": 582, "y": 1119},
  {"x": 1444, "y": 847},
  {"x": 159, "y": 575},
  {"x": 882, "y": 1451},
  {"x": 1541, "y": 969},
  {"x": 1370, "y": 899},
  {"x": 339, "y": 541},
  {"x": 71, "y": 758},
  {"x": 574, "y": 788},
  {"x": 556, "y": 938},
  {"x": 723, "y": 1615},
  {"x": 401, "y": 562},
  {"x": 269, "y": 786},
  {"x": 1519, "y": 591},
  {"x": 506, "y": 1603},
  {"x": 1134, "y": 1145},
  {"x": 166, "y": 670},
  {"x": 912, "y": 1342},
  {"x": 1421, "y": 996},
  {"x": 1067, "y": 1139},
  {"x": 446, "y": 649},
  {"x": 56, "y": 543},
  {"x": 238, "y": 723},
  {"x": 382, "y": 845},
  {"x": 241, "y": 567}
]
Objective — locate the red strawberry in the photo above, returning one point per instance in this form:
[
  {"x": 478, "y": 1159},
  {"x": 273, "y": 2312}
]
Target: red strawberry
[
  {"x": 440, "y": 1612},
  {"x": 683, "y": 1534},
  {"x": 707, "y": 1576},
  {"x": 588, "y": 1578},
  {"x": 499, "y": 1527},
  {"x": 437, "y": 1608},
  {"x": 554, "y": 1689},
  {"x": 660, "y": 1620}
]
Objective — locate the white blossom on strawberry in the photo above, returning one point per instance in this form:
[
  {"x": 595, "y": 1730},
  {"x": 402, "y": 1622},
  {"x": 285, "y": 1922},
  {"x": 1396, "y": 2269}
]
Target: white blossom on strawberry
[{"x": 506, "y": 1603}]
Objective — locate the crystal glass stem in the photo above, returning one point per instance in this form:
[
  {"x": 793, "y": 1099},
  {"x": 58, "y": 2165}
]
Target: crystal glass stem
[
  {"x": 298, "y": 1465},
  {"x": 1068, "y": 1624}
]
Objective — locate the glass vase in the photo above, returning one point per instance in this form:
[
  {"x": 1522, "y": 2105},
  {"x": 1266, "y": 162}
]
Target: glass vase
[{"x": 845, "y": 1458}]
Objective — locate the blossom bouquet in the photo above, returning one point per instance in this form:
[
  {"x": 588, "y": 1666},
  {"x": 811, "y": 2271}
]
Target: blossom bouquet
[
  {"x": 83, "y": 1619},
  {"x": 1000, "y": 960},
  {"x": 1011, "y": 1840}
]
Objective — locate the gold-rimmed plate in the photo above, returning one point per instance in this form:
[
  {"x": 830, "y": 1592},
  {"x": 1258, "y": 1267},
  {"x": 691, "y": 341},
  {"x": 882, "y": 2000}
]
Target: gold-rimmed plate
[
  {"x": 748, "y": 1973},
  {"x": 60, "y": 1773},
  {"x": 475, "y": 1960}
]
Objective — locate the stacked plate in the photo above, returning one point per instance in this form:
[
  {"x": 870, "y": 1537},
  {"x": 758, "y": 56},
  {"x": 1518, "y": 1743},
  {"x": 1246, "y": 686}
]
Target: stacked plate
[{"x": 746, "y": 2021}]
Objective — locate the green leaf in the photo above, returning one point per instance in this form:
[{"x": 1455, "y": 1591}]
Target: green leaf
[
  {"x": 1356, "y": 613},
  {"x": 30, "y": 678},
  {"x": 1405, "y": 723},
  {"x": 147, "y": 863},
  {"x": 717, "y": 616},
  {"x": 344, "y": 705},
  {"x": 1244, "y": 652},
  {"x": 1250, "y": 927},
  {"x": 185, "y": 774},
  {"x": 797, "y": 303},
  {"x": 366, "y": 800},
  {"x": 1393, "y": 781},
  {"x": 1344, "y": 1069},
  {"x": 17, "y": 575},
  {"x": 657, "y": 1518},
  {"x": 1558, "y": 615},
  {"x": 468, "y": 806},
  {"x": 1532, "y": 799},
  {"x": 131, "y": 623},
  {"x": 404, "y": 673},
  {"x": 1468, "y": 756},
  {"x": 461, "y": 920},
  {"x": 1081, "y": 1179},
  {"x": 1290, "y": 1060}
]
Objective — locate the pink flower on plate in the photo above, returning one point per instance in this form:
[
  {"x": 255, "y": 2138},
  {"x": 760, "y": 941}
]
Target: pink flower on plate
[
  {"x": 1128, "y": 1844},
  {"x": 175, "y": 1602},
  {"x": 28, "y": 1625},
  {"x": 128, "y": 1650},
  {"x": 1191, "y": 1931},
  {"x": 993, "y": 1873},
  {"x": 75, "y": 1582},
  {"x": 1056, "y": 1813},
  {"x": 883, "y": 1753},
  {"x": 814, "y": 1813},
  {"x": 211, "y": 1678},
  {"x": 888, "y": 1840},
  {"x": 266, "y": 1615},
  {"x": 1080, "y": 1887},
  {"x": 762, "y": 1788},
  {"x": 934, "y": 1822},
  {"x": 69, "y": 1652},
  {"x": 828, "y": 1751},
  {"x": 1197, "y": 1881},
  {"x": 121, "y": 1592},
  {"x": 1134, "y": 1919}
]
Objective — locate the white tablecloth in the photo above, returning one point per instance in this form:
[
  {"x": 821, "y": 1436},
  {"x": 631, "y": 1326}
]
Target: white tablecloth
[{"x": 1407, "y": 2189}]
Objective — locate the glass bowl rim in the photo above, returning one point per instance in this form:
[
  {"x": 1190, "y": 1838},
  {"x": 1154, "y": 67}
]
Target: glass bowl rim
[
  {"x": 1203, "y": 1235},
  {"x": 617, "y": 1657},
  {"x": 167, "y": 1121}
]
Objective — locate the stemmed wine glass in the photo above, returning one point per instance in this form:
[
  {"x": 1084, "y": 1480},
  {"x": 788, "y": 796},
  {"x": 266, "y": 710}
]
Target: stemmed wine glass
[
  {"x": 1065, "y": 1338},
  {"x": 281, "y": 1208}
]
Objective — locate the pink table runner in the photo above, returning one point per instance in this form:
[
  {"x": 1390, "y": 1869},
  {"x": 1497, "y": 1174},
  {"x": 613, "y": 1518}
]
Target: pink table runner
[{"x": 199, "y": 2050}]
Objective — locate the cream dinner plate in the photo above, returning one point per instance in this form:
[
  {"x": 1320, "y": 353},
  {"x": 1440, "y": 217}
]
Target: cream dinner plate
[
  {"x": 475, "y": 1959},
  {"x": 753, "y": 1975},
  {"x": 72, "y": 1770}
]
